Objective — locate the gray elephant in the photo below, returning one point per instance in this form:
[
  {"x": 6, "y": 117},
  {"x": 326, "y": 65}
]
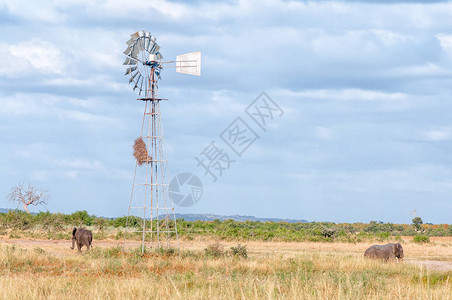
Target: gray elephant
[
  {"x": 385, "y": 252},
  {"x": 83, "y": 237}
]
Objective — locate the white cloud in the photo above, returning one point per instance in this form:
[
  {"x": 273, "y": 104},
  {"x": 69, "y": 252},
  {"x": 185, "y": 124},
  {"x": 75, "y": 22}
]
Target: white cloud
[
  {"x": 47, "y": 175},
  {"x": 417, "y": 178},
  {"x": 78, "y": 163},
  {"x": 100, "y": 82},
  {"x": 42, "y": 11},
  {"x": 26, "y": 58},
  {"x": 437, "y": 135},
  {"x": 216, "y": 103},
  {"x": 345, "y": 95},
  {"x": 40, "y": 175},
  {"x": 323, "y": 133},
  {"x": 445, "y": 41},
  {"x": 390, "y": 38},
  {"x": 428, "y": 69},
  {"x": 85, "y": 117},
  {"x": 89, "y": 111}
]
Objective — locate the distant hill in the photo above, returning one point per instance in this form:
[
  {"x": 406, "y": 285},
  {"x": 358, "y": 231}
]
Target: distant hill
[
  {"x": 211, "y": 217},
  {"x": 5, "y": 210}
]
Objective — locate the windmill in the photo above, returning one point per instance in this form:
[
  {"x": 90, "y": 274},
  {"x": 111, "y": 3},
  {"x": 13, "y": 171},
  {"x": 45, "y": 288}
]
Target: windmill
[{"x": 149, "y": 197}]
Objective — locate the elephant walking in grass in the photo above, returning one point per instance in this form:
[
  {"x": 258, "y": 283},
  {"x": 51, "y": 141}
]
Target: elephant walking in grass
[
  {"x": 385, "y": 252},
  {"x": 83, "y": 237}
]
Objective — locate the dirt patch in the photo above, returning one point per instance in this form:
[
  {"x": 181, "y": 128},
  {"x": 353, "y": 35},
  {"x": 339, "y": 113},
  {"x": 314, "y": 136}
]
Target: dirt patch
[{"x": 435, "y": 265}]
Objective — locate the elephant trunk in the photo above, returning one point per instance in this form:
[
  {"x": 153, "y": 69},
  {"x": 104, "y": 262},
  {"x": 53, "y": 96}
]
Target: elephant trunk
[{"x": 73, "y": 242}]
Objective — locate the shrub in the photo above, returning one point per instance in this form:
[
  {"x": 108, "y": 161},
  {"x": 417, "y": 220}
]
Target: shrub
[
  {"x": 214, "y": 250},
  {"x": 421, "y": 238},
  {"x": 328, "y": 232},
  {"x": 239, "y": 251},
  {"x": 133, "y": 221},
  {"x": 165, "y": 251},
  {"x": 39, "y": 250}
]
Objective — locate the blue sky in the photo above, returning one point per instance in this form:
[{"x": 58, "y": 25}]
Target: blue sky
[{"x": 365, "y": 88}]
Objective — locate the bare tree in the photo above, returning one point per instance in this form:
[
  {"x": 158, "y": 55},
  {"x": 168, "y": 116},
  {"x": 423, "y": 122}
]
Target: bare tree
[{"x": 28, "y": 196}]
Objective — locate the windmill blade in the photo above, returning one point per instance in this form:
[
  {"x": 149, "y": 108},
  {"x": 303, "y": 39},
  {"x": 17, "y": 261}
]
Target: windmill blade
[
  {"x": 130, "y": 70},
  {"x": 137, "y": 48},
  {"x": 134, "y": 52},
  {"x": 129, "y": 61},
  {"x": 141, "y": 33},
  {"x": 132, "y": 78},
  {"x": 137, "y": 82},
  {"x": 155, "y": 48},
  {"x": 147, "y": 42},
  {"x": 189, "y": 63},
  {"x": 141, "y": 85},
  {"x": 142, "y": 44},
  {"x": 130, "y": 42},
  {"x": 134, "y": 36},
  {"x": 158, "y": 56},
  {"x": 127, "y": 51}
]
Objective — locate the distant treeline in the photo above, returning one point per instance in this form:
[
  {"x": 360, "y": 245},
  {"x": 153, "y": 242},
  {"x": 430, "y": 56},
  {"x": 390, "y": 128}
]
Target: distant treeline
[{"x": 57, "y": 226}]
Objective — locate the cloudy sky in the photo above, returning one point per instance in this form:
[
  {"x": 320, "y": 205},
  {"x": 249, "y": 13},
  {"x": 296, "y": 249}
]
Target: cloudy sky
[{"x": 365, "y": 88}]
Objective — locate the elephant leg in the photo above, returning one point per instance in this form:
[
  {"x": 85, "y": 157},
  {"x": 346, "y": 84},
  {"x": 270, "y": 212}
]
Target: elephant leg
[{"x": 79, "y": 247}]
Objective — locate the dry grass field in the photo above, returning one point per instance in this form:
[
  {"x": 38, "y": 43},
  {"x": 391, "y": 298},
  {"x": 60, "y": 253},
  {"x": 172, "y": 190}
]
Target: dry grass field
[{"x": 43, "y": 269}]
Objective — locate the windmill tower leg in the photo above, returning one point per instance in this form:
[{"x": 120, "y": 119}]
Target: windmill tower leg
[{"x": 149, "y": 198}]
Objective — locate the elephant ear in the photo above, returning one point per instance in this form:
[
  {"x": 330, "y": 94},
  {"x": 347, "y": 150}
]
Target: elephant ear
[
  {"x": 74, "y": 231},
  {"x": 395, "y": 249}
]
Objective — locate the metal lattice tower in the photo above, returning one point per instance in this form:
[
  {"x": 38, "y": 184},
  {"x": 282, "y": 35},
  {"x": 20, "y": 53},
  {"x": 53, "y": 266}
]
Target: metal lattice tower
[{"x": 151, "y": 212}]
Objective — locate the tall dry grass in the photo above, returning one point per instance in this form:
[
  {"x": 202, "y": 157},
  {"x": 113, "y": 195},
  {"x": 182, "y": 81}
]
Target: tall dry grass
[{"x": 306, "y": 271}]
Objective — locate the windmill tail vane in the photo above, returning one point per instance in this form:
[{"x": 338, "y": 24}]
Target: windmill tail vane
[{"x": 149, "y": 196}]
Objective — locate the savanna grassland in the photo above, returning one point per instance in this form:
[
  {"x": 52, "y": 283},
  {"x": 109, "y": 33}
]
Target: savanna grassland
[
  {"x": 37, "y": 263},
  {"x": 42, "y": 269}
]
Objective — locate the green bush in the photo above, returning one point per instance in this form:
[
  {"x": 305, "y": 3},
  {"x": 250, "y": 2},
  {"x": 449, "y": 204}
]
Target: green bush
[
  {"x": 383, "y": 236},
  {"x": 165, "y": 251},
  {"x": 133, "y": 221},
  {"x": 81, "y": 217},
  {"x": 59, "y": 226},
  {"x": 421, "y": 238},
  {"x": 239, "y": 251}
]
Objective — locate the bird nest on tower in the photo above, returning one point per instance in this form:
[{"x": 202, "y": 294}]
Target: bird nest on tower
[{"x": 140, "y": 152}]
